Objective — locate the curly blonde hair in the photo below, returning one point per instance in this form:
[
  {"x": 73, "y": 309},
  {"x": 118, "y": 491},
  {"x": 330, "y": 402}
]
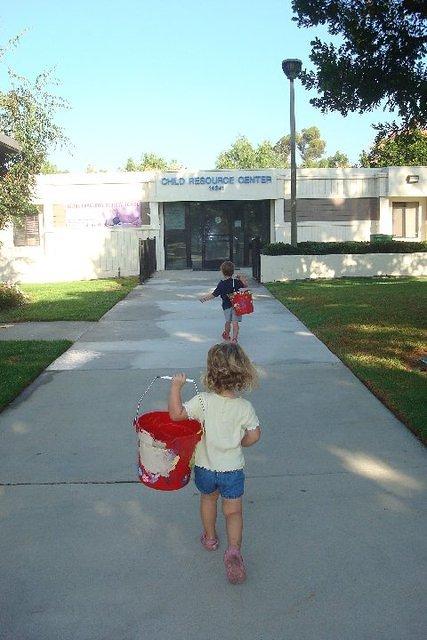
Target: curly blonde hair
[{"x": 229, "y": 369}]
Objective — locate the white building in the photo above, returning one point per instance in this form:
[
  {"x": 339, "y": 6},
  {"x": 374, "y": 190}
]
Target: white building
[{"x": 89, "y": 224}]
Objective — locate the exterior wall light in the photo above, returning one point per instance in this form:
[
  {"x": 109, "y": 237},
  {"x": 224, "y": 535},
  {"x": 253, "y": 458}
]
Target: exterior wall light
[{"x": 412, "y": 179}]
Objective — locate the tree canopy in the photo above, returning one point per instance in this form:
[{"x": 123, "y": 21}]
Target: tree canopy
[
  {"x": 49, "y": 167},
  {"x": 243, "y": 155},
  {"x": 27, "y": 112},
  {"x": 339, "y": 159},
  {"x": 151, "y": 161},
  {"x": 397, "y": 149},
  {"x": 311, "y": 148},
  {"x": 380, "y": 60}
]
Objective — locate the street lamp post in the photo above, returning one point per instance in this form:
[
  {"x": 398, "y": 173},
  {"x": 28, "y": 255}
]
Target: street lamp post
[{"x": 292, "y": 68}]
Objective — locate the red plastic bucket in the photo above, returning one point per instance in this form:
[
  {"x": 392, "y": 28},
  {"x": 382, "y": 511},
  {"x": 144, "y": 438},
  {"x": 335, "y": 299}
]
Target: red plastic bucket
[
  {"x": 165, "y": 450},
  {"x": 242, "y": 302}
]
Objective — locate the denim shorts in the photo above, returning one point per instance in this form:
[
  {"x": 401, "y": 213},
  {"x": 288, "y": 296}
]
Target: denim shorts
[
  {"x": 231, "y": 316},
  {"x": 230, "y": 484}
]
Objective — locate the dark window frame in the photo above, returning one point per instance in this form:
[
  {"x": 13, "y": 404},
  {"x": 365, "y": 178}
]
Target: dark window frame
[{"x": 26, "y": 233}]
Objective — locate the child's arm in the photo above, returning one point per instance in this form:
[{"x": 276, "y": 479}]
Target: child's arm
[
  {"x": 210, "y": 296},
  {"x": 243, "y": 279},
  {"x": 176, "y": 410},
  {"x": 251, "y": 437}
]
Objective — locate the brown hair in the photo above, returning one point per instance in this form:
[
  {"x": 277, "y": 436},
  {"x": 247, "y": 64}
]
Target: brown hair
[
  {"x": 227, "y": 268},
  {"x": 229, "y": 369}
]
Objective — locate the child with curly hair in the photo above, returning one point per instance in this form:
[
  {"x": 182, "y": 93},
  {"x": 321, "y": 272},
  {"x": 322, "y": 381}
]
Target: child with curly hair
[{"x": 230, "y": 423}]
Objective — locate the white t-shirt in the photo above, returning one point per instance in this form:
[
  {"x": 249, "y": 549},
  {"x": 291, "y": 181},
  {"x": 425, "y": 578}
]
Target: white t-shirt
[{"x": 225, "y": 422}]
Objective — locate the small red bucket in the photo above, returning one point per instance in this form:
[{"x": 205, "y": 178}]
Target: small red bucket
[
  {"x": 165, "y": 450},
  {"x": 242, "y": 302}
]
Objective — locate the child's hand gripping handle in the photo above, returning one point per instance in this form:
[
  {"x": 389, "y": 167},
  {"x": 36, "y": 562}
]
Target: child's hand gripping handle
[
  {"x": 170, "y": 378},
  {"x": 149, "y": 387}
]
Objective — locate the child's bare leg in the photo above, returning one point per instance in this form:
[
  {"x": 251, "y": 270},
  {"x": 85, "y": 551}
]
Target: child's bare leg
[
  {"x": 232, "y": 509},
  {"x": 235, "y": 330},
  {"x": 208, "y": 512},
  {"x": 227, "y": 328}
]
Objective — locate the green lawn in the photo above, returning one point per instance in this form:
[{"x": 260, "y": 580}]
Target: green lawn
[
  {"x": 83, "y": 300},
  {"x": 378, "y": 327},
  {"x": 21, "y": 361}
]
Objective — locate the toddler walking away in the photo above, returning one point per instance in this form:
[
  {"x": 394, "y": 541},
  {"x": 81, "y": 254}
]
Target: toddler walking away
[
  {"x": 230, "y": 423},
  {"x": 224, "y": 288}
]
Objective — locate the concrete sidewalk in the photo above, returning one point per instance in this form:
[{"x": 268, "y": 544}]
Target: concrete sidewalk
[
  {"x": 60, "y": 330},
  {"x": 334, "y": 522}
]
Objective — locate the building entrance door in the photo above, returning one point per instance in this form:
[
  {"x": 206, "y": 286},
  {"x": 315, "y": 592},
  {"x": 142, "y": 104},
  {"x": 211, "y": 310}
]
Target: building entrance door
[
  {"x": 202, "y": 235},
  {"x": 217, "y": 241}
]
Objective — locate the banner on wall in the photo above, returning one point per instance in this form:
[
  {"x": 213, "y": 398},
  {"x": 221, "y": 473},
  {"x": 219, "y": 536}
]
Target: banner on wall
[{"x": 106, "y": 214}]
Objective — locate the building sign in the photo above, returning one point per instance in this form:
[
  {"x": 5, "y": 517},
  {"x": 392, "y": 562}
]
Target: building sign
[
  {"x": 106, "y": 214},
  {"x": 226, "y": 184},
  {"x": 215, "y": 183}
]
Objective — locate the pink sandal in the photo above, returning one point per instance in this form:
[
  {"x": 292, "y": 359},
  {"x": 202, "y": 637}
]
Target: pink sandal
[
  {"x": 225, "y": 336},
  {"x": 234, "y": 341},
  {"x": 210, "y": 544},
  {"x": 236, "y": 572}
]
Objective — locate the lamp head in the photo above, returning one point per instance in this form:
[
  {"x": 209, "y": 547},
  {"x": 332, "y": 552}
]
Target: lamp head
[{"x": 291, "y": 68}]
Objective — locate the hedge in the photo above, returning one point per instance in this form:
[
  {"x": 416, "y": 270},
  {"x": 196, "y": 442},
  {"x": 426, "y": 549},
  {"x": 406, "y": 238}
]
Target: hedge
[{"x": 322, "y": 248}]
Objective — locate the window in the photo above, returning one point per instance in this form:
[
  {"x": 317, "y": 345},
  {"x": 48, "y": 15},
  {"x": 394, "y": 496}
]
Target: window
[
  {"x": 145, "y": 212},
  {"x": 405, "y": 219},
  {"x": 26, "y": 232}
]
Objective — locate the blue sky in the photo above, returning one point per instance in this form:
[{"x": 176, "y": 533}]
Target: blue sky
[{"x": 178, "y": 78}]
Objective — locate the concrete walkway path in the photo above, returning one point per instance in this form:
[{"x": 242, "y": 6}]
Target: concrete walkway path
[
  {"x": 61, "y": 330},
  {"x": 334, "y": 523}
]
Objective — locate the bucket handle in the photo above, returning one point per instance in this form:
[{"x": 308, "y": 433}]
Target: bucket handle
[{"x": 164, "y": 378}]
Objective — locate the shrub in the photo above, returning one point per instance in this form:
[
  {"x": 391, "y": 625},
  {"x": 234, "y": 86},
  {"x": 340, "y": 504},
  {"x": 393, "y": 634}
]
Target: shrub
[
  {"x": 322, "y": 248},
  {"x": 11, "y": 296}
]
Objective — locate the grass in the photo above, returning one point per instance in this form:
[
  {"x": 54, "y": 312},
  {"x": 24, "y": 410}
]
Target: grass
[
  {"x": 377, "y": 327},
  {"x": 83, "y": 300},
  {"x": 21, "y": 361}
]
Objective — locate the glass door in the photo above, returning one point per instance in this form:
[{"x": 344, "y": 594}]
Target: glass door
[
  {"x": 197, "y": 234},
  {"x": 216, "y": 235},
  {"x": 238, "y": 227},
  {"x": 201, "y": 235},
  {"x": 176, "y": 236}
]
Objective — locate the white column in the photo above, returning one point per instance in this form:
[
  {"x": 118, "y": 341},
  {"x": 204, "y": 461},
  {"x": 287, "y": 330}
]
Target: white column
[
  {"x": 154, "y": 215},
  {"x": 156, "y": 224},
  {"x": 423, "y": 219},
  {"x": 386, "y": 219},
  {"x": 160, "y": 248},
  {"x": 279, "y": 220}
]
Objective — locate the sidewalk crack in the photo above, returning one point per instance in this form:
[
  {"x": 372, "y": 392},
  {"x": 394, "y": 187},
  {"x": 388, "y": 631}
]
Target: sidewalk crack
[{"x": 110, "y": 482}]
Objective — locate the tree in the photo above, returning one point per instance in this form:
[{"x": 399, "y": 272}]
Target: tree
[
  {"x": 150, "y": 161},
  {"x": 242, "y": 155},
  {"x": 27, "y": 113},
  {"x": 339, "y": 159},
  {"x": 130, "y": 165},
  {"x": 91, "y": 168},
  {"x": 397, "y": 149},
  {"x": 380, "y": 59},
  {"x": 48, "y": 167},
  {"x": 309, "y": 144}
]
